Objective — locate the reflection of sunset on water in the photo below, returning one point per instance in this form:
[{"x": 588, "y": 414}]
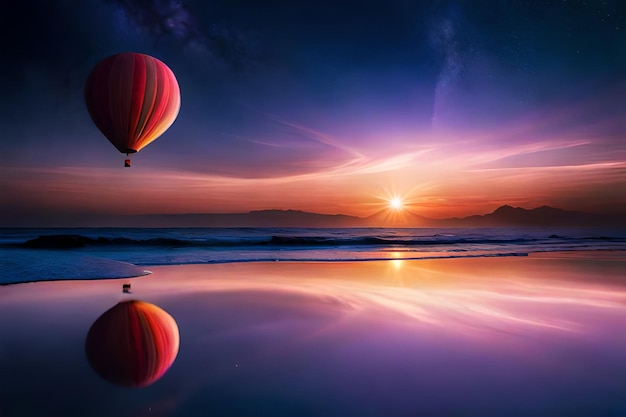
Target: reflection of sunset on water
[
  {"x": 458, "y": 295},
  {"x": 331, "y": 337},
  {"x": 397, "y": 261},
  {"x": 424, "y": 292}
]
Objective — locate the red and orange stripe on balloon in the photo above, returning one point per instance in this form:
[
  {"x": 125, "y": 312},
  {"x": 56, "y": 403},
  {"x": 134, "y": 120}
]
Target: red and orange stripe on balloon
[
  {"x": 132, "y": 344},
  {"x": 133, "y": 99}
]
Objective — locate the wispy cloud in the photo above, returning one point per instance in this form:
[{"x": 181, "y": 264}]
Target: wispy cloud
[{"x": 323, "y": 138}]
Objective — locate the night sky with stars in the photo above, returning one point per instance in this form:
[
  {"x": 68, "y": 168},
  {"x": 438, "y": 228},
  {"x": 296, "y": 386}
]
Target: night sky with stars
[{"x": 457, "y": 107}]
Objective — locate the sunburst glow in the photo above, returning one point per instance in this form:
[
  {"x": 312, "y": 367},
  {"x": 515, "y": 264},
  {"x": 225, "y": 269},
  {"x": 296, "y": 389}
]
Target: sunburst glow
[
  {"x": 395, "y": 203},
  {"x": 396, "y": 206}
]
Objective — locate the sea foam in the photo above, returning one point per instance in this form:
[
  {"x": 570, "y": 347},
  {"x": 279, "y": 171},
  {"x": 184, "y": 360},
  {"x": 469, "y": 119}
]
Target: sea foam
[{"x": 49, "y": 265}]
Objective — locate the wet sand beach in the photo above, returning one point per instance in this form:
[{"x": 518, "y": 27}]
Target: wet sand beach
[{"x": 541, "y": 335}]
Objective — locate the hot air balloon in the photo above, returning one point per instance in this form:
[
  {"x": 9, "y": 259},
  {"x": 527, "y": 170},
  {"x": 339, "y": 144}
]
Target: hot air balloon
[
  {"x": 132, "y": 344},
  {"x": 133, "y": 99}
]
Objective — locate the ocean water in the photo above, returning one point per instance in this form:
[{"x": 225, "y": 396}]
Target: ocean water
[
  {"x": 492, "y": 333},
  {"x": 127, "y": 252},
  {"x": 504, "y": 337}
]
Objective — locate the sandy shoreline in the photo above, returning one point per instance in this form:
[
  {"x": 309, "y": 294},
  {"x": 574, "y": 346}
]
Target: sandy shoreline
[
  {"x": 589, "y": 269},
  {"x": 90, "y": 267},
  {"x": 542, "y": 335}
]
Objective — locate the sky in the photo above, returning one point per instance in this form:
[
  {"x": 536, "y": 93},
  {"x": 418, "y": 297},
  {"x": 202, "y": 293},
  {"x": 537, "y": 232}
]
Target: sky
[{"x": 454, "y": 107}]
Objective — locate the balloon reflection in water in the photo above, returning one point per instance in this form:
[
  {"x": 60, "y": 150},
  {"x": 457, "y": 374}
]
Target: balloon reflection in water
[{"x": 133, "y": 344}]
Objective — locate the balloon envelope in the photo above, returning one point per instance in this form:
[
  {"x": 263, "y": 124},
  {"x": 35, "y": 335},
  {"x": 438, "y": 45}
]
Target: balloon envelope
[
  {"x": 132, "y": 98},
  {"x": 132, "y": 344}
]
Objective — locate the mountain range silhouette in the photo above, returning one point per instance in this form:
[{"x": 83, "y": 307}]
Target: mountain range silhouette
[{"x": 503, "y": 216}]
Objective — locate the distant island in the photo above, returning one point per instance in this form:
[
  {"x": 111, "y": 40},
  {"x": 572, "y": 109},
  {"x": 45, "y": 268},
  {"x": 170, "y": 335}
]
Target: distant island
[
  {"x": 504, "y": 216},
  {"x": 541, "y": 216}
]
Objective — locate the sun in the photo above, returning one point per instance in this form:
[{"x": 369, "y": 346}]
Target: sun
[
  {"x": 395, "y": 203},
  {"x": 395, "y": 207}
]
